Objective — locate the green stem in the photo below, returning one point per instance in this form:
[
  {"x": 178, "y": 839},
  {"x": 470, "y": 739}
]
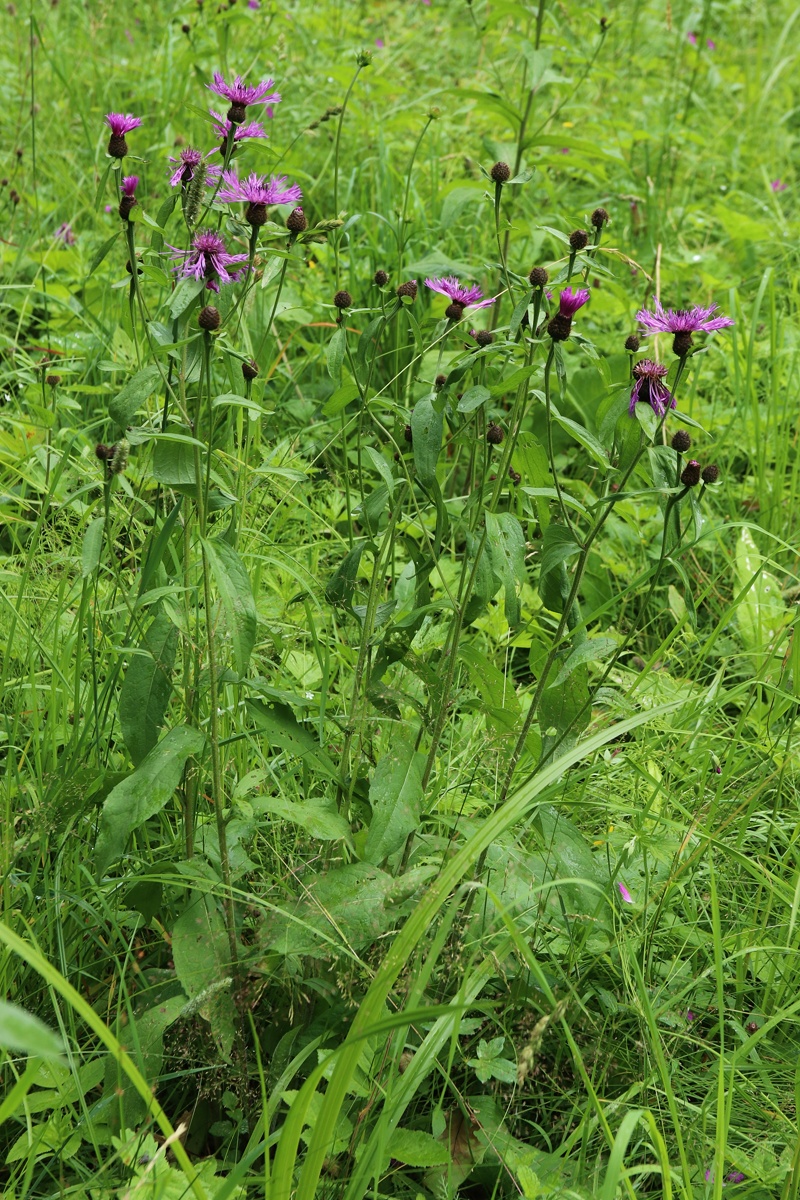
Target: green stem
[
  {"x": 401, "y": 241},
  {"x": 336, "y": 232}
]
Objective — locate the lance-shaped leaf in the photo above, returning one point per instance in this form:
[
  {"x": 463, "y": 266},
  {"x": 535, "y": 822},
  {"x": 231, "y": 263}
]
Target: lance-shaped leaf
[
  {"x": 506, "y": 543},
  {"x": 395, "y": 795},
  {"x": 426, "y": 428},
  {"x": 125, "y": 404},
  {"x": 233, "y": 585},
  {"x": 147, "y": 687}
]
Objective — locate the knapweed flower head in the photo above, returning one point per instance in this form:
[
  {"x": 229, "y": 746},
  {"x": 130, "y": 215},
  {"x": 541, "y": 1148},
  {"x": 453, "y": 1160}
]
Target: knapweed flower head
[
  {"x": 128, "y": 198},
  {"x": 222, "y": 127},
  {"x": 209, "y": 259},
  {"x": 257, "y": 189},
  {"x": 624, "y": 893},
  {"x": 560, "y": 326},
  {"x": 650, "y": 387},
  {"x": 460, "y": 297},
  {"x": 778, "y": 186},
  {"x": 64, "y": 234},
  {"x": 682, "y": 323},
  {"x": 187, "y": 163},
  {"x": 120, "y": 124},
  {"x": 240, "y": 95},
  {"x": 691, "y": 38}
]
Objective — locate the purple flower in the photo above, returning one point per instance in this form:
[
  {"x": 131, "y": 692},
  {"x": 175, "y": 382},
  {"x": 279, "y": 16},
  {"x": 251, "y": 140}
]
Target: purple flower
[
  {"x": 379, "y": 42},
  {"x": 187, "y": 163},
  {"x": 65, "y": 234},
  {"x": 710, "y": 45},
  {"x": 254, "y": 4},
  {"x": 459, "y": 297},
  {"x": 255, "y": 189},
  {"x": 222, "y": 127},
  {"x": 109, "y": 208},
  {"x": 691, "y": 38},
  {"x": 241, "y": 94},
  {"x": 208, "y": 259},
  {"x": 564, "y": 150},
  {"x": 734, "y": 1177},
  {"x": 689, "y": 1015},
  {"x": 650, "y": 389},
  {"x": 129, "y": 186},
  {"x": 569, "y": 302},
  {"x": 121, "y": 123},
  {"x": 778, "y": 186},
  {"x": 624, "y": 893},
  {"x": 682, "y": 323}
]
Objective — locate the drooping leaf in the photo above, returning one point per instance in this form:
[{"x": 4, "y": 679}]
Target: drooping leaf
[
  {"x": 184, "y": 294},
  {"x": 761, "y": 613},
  {"x": 202, "y": 957},
  {"x": 558, "y": 545},
  {"x": 426, "y": 426},
  {"x": 233, "y": 585},
  {"x": 395, "y": 795},
  {"x": 92, "y": 546},
  {"x": 23, "y": 1033},
  {"x": 282, "y": 729},
  {"x": 335, "y": 354},
  {"x": 416, "y": 1148},
  {"x": 341, "y": 588},
  {"x": 501, "y": 702},
  {"x": 318, "y": 820},
  {"x": 592, "y": 650},
  {"x": 144, "y": 793},
  {"x": 147, "y": 687},
  {"x": 506, "y": 544},
  {"x": 530, "y": 460},
  {"x": 126, "y": 403},
  {"x": 100, "y": 253},
  {"x": 174, "y": 463},
  {"x": 344, "y": 907},
  {"x": 473, "y": 398}
]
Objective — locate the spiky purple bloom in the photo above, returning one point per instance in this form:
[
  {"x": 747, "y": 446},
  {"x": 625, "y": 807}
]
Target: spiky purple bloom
[
  {"x": 735, "y": 1177},
  {"x": 699, "y": 319},
  {"x": 464, "y": 297},
  {"x": 256, "y": 189},
  {"x": 778, "y": 186},
  {"x": 240, "y": 95},
  {"x": 209, "y": 259},
  {"x": 650, "y": 389},
  {"x": 222, "y": 127},
  {"x": 624, "y": 893},
  {"x": 129, "y": 186},
  {"x": 121, "y": 123},
  {"x": 569, "y": 302},
  {"x": 64, "y": 233},
  {"x": 187, "y": 163},
  {"x": 254, "y": 4}
]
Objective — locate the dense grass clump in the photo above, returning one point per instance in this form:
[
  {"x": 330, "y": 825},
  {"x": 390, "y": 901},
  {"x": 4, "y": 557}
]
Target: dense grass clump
[{"x": 398, "y": 560}]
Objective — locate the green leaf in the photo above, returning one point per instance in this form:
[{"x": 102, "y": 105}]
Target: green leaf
[
  {"x": 23, "y": 1033},
  {"x": 530, "y": 460},
  {"x": 486, "y": 583},
  {"x": 147, "y": 687},
  {"x": 506, "y": 544},
  {"x": 144, "y": 793},
  {"x": 346, "y": 907},
  {"x": 138, "y": 389},
  {"x": 92, "y": 546},
  {"x": 341, "y": 588},
  {"x": 335, "y": 354},
  {"x": 519, "y": 312},
  {"x": 761, "y": 613},
  {"x": 233, "y": 585},
  {"x": 201, "y": 953},
  {"x": 318, "y": 820},
  {"x": 184, "y": 294},
  {"x": 426, "y": 427},
  {"x": 282, "y": 728},
  {"x": 100, "y": 254},
  {"x": 586, "y": 439},
  {"x": 473, "y": 398},
  {"x": 101, "y": 187},
  {"x": 340, "y": 399},
  {"x": 395, "y": 795},
  {"x": 592, "y": 650},
  {"x": 501, "y": 703},
  {"x": 558, "y": 545},
  {"x": 415, "y": 1148},
  {"x": 381, "y": 466},
  {"x": 174, "y": 463}
]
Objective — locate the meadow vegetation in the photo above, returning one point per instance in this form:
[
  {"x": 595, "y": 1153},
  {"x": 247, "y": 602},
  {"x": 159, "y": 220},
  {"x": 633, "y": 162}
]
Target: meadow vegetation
[{"x": 399, "y": 489}]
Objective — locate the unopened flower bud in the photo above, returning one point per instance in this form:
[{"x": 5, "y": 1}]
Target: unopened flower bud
[
  {"x": 454, "y": 311},
  {"x": 514, "y": 476},
  {"x": 632, "y": 343},
  {"x": 500, "y": 172},
  {"x": 364, "y": 58},
  {"x": 710, "y": 474},
  {"x": 250, "y": 369},
  {"x": 494, "y": 434},
  {"x": 559, "y": 327},
  {"x": 538, "y": 277},
  {"x": 209, "y": 318},
  {"x": 578, "y": 240},
  {"x": 599, "y": 218},
  {"x": 681, "y": 441},
  {"x": 256, "y": 214},
  {"x": 186, "y": 28},
  {"x": 297, "y": 222},
  {"x": 104, "y": 453},
  {"x": 380, "y": 278},
  {"x": 434, "y": 112},
  {"x": 690, "y": 476},
  {"x": 408, "y": 434},
  {"x": 343, "y": 300},
  {"x": 439, "y": 382},
  {"x": 484, "y": 338},
  {"x": 53, "y": 380},
  {"x": 408, "y": 289}
]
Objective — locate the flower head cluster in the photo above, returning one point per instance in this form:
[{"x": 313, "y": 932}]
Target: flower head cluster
[
  {"x": 209, "y": 259},
  {"x": 461, "y": 298},
  {"x": 682, "y": 323},
  {"x": 240, "y": 95},
  {"x": 560, "y": 326},
  {"x": 258, "y": 192},
  {"x": 650, "y": 388},
  {"x": 187, "y": 163},
  {"x": 120, "y": 124}
]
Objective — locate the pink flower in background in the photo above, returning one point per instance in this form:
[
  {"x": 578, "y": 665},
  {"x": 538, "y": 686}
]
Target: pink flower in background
[
  {"x": 379, "y": 42},
  {"x": 254, "y": 4},
  {"x": 689, "y": 1015},
  {"x": 710, "y": 44},
  {"x": 778, "y": 186},
  {"x": 691, "y": 38},
  {"x": 65, "y": 234},
  {"x": 564, "y": 150},
  {"x": 624, "y": 893}
]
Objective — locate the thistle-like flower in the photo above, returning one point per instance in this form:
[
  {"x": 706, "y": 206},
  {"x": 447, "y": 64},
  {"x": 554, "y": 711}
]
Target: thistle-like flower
[
  {"x": 187, "y": 163},
  {"x": 258, "y": 192},
  {"x": 461, "y": 298},
  {"x": 650, "y": 388},
  {"x": 64, "y": 233},
  {"x": 241, "y": 94},
  {"x": 129, "y": 186},
  {"x": 120, "y": 124},
  {"x": 209, "y": 259},
  {"x": 222, "y": 127},
  {"x": 560, "y": 326},
  {"x": 682, "y": 323}
]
